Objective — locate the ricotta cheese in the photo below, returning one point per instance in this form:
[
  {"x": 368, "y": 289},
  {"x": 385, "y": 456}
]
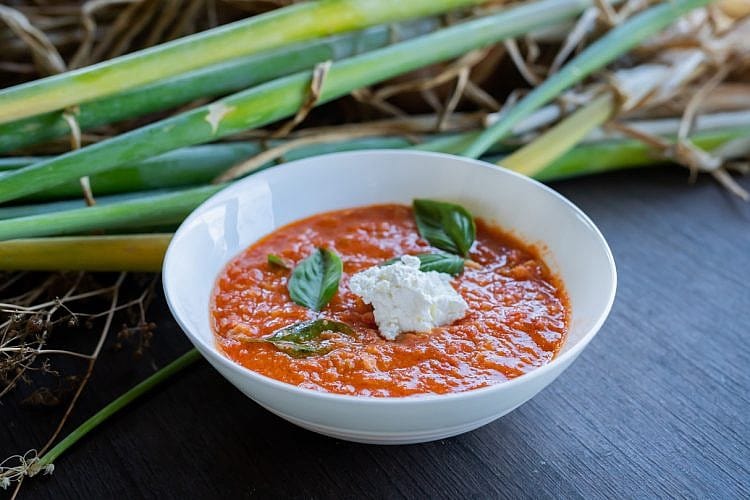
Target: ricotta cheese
[{"x": 405, "y": 299}]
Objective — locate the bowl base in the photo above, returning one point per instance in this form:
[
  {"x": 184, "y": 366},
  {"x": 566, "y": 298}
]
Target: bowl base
[{"x": 396, "y": 438}]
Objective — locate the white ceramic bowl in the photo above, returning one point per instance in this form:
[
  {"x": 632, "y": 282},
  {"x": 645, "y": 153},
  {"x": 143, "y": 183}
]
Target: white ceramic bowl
[{"x": 236, "y": 217}]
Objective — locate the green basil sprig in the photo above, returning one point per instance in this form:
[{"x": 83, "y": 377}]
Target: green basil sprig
[
  {"x": 440, "y": 262},
  {"x": 446, "y": 226},
  {"x": 315, "y": 280},
  {"x": 278, "y": 261},
  {"x": 312, "y": 284},
  {"x": 303, "y": 338}
]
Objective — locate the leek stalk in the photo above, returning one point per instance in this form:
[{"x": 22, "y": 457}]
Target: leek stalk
[
  {"x": 212, "y": 81},
  {"x": 147, "y": 210},
  {"x": 612, "y": 45},
  {"x": 283, "y": 97},
  {"x": 187, "y": 166},
  {"x": 135, "y": 252},
  {"x": 296, "y": 23}
]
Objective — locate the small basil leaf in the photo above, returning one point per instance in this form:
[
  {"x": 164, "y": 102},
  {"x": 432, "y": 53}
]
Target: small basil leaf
[
  {"x": 315, "y": 280},
  {"x": 440, "y": 262},
  {"x": 302, "y": 339},
  {"x": 275, "y": 260},
  {"x": 446, "y": 226},
  {"x": 305, "y": 331}
]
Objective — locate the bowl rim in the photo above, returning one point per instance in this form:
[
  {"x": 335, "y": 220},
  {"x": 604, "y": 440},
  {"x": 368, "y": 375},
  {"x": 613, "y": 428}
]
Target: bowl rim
[{"x": 218, "y": 357}]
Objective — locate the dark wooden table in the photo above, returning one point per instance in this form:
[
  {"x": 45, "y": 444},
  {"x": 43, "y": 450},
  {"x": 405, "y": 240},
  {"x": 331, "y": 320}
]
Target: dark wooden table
[{"x": 657, "y": 406}]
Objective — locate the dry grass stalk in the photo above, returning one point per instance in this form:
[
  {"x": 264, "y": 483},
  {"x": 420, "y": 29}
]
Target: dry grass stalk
[
  {"x": 316, "y": 86},
  {"x": 669, "y": 69},
  {"x": 26, "y": 331},
  {"x": 82, "y": 56},
  {"x": 409, "y": 125},
  {"x": 575, "y": 38},
  {"x": 458, "y": 92},
  {"x": 450, "y": 72},
  {"x": 45, "y": 55},
  {"x": 522, "y": 63},
  {"x": 410, "y": 128}
]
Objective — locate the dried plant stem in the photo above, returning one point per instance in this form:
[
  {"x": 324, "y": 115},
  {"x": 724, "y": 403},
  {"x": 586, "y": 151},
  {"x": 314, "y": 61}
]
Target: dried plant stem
[
  {"x": 30, "y": 355},
  {"x": 43, "y": 352},
  {"x": 260, "y": 160},
  {"x": 612, "y": 45},
  {"x": 92, "y": 362},
  {"x": 455, "y": 98},
  {"x": 617, "y": 154},
  {"x": 671, "y": 126},
  {"x": 450, "y": 72},
  {"x": 688, "y": 154},
  {"x": 19, "y": 354},
  {"x": 53, "y": 303},
  {"x": 102, "y": 415},
  {"x": 44, "y": 52},
  {"x": 691, "y": 110},
  {"x": 583, "y": 26},
  {"x": 515, "y": 54}
]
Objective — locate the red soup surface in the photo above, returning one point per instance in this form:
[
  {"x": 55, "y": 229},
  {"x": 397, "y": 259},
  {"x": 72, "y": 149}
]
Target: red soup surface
[{"x": 516, "y": 321}]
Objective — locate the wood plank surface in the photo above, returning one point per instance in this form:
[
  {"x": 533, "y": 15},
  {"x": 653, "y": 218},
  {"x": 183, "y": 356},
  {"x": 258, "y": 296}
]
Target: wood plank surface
[{"x": 657, "y": 406}]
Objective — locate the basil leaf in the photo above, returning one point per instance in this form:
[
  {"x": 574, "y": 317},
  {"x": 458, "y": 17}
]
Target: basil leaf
[
  {"x": 302, "y": 339},
  {"x": 305, "y": 331},
  {"x": 275, "y": 260},
  {"x": 440, "y": 262},
  {"x": 315, "y": 280},
  {"x": 446, "y": 226}
]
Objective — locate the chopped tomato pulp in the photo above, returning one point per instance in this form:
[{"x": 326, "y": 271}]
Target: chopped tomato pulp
[{"x": 516, "y": 321}]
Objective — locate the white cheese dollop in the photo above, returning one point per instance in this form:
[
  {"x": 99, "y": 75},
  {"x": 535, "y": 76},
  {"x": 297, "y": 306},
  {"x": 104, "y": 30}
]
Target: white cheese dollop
[{"x": 405, "y": 299}]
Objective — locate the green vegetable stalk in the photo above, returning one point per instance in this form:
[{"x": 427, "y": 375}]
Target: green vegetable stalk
[
  {"x": 134, "y": 252},
  {"x": 148, "y": 211},
  {"x": 612, "y": 45},
  {"x": 209, "y": 82},
  {"x": 283, "y": 97},
  {"x": 296, "y": 23}
]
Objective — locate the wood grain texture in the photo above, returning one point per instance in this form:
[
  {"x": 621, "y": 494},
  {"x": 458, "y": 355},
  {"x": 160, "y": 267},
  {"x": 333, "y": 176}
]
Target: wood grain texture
[{"x": 657, "y": 406}]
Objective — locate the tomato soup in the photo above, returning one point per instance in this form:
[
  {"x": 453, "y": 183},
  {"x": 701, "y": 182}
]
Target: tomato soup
[{"x": 516, "y": 320}]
